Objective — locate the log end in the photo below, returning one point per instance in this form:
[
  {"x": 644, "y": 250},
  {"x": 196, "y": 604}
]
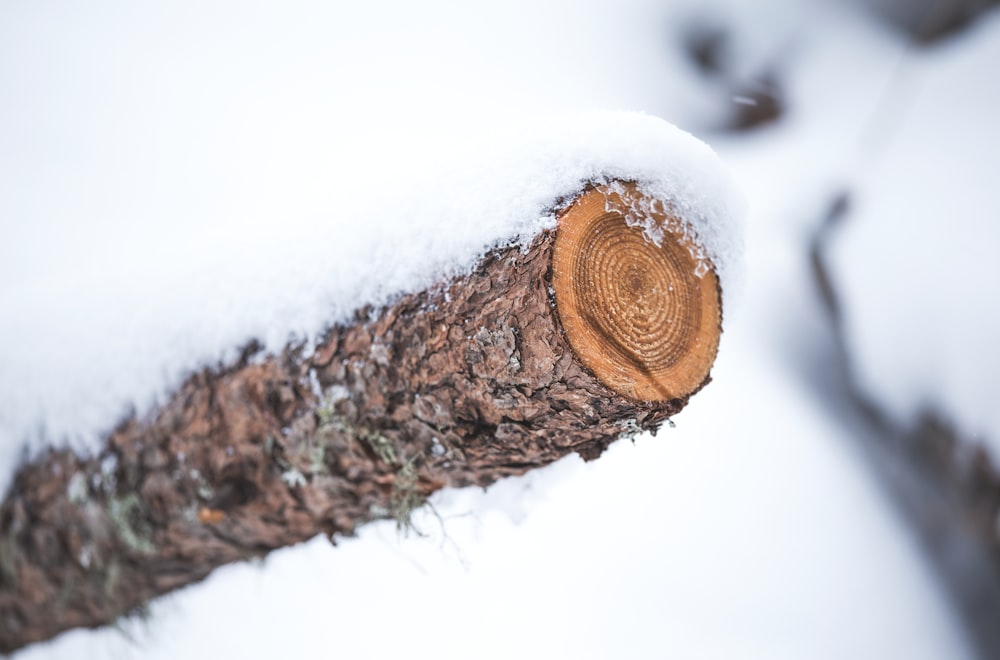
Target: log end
[{"x": 643, "y": 316}]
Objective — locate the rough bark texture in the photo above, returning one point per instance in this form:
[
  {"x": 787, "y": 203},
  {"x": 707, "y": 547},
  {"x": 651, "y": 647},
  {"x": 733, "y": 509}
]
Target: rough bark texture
[{"x": 461, "y": 385}]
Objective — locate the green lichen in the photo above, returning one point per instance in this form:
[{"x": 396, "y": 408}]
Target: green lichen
[
  {"x": 381, "y": 446},
  {"x": 305, "y": 456},
  {"x": 406, "y": 497},
  {"x": 317, "y": 459},
  {"x": 69, "y": 586},
  {"x": 126, "y": 614},
  {"x": 128, "y": 517},
  {"x": 325, "y": 417},
  {"x": 112, "y": 580},
  {"x": 8, "y": 559},
  {"x": 326, "y": 412}
]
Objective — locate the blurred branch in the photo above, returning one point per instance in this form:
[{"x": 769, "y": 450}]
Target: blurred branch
[
  {"x": 945, "y": 485},
  {"x": 927, "y": 21}
]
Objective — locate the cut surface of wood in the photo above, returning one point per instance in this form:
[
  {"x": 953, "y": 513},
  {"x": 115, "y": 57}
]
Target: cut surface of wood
[{"x": 636, "y": 313}]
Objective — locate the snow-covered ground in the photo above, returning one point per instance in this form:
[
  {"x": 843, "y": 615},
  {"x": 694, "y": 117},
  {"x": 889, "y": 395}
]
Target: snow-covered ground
[{"x": 752, "y": 530}]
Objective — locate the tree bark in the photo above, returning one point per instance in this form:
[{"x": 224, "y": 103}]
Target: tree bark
[{"x": 462, "y": 384}]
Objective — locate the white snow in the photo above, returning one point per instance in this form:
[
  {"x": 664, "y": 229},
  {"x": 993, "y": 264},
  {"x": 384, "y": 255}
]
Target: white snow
[
  {"x": 771, "y": 544},
  {"x": 753, "y": 530},
  {"x": 170, "y": 191},
  {"x": 917, "y": 257}
]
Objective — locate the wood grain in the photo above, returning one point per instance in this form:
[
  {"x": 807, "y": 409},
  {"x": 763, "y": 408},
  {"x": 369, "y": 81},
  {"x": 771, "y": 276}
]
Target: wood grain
[{"x": 637, "y": 314}]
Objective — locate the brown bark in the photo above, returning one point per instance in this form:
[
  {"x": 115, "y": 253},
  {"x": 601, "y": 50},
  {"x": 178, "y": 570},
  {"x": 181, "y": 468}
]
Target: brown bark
[{"x": 460, "y": 385}]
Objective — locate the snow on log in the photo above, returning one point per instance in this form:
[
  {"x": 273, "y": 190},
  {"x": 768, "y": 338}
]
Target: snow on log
[{"x": 602, "y": 326}]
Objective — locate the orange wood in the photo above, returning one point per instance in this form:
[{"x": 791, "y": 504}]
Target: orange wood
[{"x": 635, "y": 313}]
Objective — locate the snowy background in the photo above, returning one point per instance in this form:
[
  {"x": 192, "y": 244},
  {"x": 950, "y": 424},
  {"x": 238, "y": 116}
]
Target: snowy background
[{"x": 176, "y": 179}]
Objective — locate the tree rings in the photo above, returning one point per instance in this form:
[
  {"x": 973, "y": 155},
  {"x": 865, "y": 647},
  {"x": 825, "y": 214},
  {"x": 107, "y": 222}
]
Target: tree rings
[{"x": 645, "y": 318}]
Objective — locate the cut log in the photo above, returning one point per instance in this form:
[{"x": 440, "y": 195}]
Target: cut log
[
  {"x": 634, "y": 311},
  {"x": 590, "y": 333}
]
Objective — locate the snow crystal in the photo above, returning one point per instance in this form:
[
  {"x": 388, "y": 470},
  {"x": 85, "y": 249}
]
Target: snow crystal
[{"x": 293, "y": 478}]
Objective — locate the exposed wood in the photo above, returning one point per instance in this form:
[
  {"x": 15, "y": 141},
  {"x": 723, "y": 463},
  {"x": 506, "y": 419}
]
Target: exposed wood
[
  {"x": 637, "y": 314},
  {"x": 459, "y": 385}
]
